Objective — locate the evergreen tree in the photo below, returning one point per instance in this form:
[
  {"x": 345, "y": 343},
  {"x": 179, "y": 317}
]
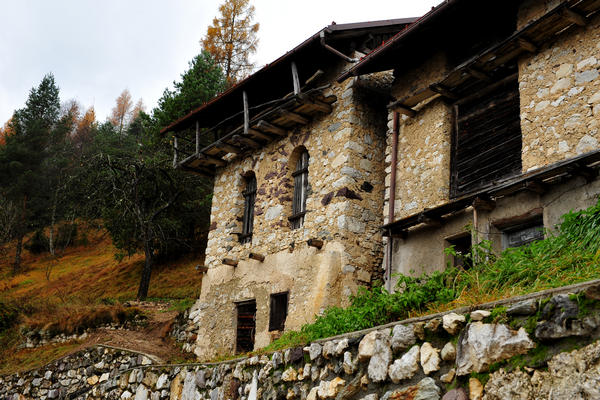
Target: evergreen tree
[{"x": 22, "y": 175}]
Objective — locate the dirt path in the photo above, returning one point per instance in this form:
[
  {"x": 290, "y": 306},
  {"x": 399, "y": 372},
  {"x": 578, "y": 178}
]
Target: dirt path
[{"x": 152, "y": 339}]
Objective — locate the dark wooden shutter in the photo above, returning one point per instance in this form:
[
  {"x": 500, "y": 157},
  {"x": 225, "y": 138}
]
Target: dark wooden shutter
[
  {"x": 278, "y": 314},
  {"x": 249, "y": 200},
  {"x": 487, "y": 140},
  {"x": 300, "y": 191}
]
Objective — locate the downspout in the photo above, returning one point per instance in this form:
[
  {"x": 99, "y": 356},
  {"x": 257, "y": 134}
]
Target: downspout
[{"x": 392, "y": 199}]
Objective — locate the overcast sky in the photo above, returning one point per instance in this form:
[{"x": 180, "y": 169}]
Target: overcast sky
[{"x": 95, "y": 49}]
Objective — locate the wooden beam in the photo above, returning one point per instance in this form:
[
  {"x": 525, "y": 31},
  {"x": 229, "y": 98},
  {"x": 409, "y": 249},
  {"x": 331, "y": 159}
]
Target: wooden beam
[
  {"x": 527, "y": 45},
  {"x": 574, "y": 17},
  {"x": 402, "y": 109},
  {"x": 246, "y": 113},
  {"x": 230, "y": 261},
  {"x": 318, "y": 243},
  {"x": 536, "y": 187},
  {"x": 320, "y": 106},
  {"x": 228, "y": 147},
  {"x": 295, "y": 117},
  {"x": 474, "y": 72},
  {"x": 259, "y": 134},
  {"x": 197, "y": 171},
  {"x": 443, "y": 91},
  {"x": 256, "y": 256},
  {"x": 267, "y": 127},
  {"x": 212, "y": 159},
  {"x": 247, "y": 141},
  {"x": 430, "y": 220},
  {"x": 482, "y": 204},
  {"x": 295, "y": 79},
  {"x": 590, "y": 174}
]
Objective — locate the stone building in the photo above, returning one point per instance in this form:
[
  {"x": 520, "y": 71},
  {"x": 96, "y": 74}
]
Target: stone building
[
  {"x": 298, "y": 188},
  {"x": 493, "y": 129}
]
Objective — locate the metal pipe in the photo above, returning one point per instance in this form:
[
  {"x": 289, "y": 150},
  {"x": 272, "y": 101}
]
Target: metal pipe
[{"x": 392, "y": 198}]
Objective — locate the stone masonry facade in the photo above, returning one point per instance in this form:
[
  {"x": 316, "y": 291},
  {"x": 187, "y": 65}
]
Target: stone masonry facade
[{"x": 345, "y": 176}]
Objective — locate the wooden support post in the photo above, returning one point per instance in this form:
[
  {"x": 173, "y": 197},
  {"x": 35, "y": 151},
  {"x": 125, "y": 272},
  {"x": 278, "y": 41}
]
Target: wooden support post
[
  {"x": 246, "y": 113},
  {"x": 295, "y": 78},
  {"x": 295, "y": 117},
  {"x": 527, "y": 45},
  {"x": 175, "y": 151},
  {"x": 259, "y": 134},
  {"x": 257, "y": 257},
  {"x": 230, "y": 261},
  {"x": 318, "y": 243},
  {"x": 267, "y": 127},
  {"x": 574, "y": 17},
  {"x": 197, "y": 137}
]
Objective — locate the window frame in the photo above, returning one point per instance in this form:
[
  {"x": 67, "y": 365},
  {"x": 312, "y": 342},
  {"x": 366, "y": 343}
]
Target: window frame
[
  {"x": 249, "y": 194},
  {"x": 300, "y": 194}
]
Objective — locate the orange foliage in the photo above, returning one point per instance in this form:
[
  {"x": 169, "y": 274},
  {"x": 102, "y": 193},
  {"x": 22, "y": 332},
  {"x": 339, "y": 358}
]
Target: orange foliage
[{"x": 232, "y": 38}]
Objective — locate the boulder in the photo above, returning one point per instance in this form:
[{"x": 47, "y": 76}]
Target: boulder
[
  {"x": 381, "y": 358},
  {"x": 453, "y": 323},
  {"x": 448, "y": 352},
  {"x": 402, "y": 337},
  {"x": 430, "y": 358},
  {"x": 456, "y": 394},
  {"x": 433, "y": 325},
  {"x": 330, "y": 389},
  {"x": 366, "y": 347},
  {"x": 349, "y": 365},
  {"x": 314, "y": 351},
  {"x": 448, "y": 377},
  {"x": 560, "y": 315},
  {"x": 475, "y": 389},
  {"x": 289, "y": 375},
  {"x": 406, "y": 367},
  {"x": 483, "y": 344}
]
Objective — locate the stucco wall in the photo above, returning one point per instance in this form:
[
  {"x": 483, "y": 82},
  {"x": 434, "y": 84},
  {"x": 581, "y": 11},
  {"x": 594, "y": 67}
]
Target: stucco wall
[
  {"x": 560, "y": 97},
  {"x": 346, "y": 193}
]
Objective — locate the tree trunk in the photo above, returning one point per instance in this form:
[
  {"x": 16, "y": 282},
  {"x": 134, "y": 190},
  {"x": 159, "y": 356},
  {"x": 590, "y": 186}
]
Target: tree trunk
[
  {"x": 17, "y": 264},
  {"x": 52, "y": 223},
  {"x": 147, "y": 271}
]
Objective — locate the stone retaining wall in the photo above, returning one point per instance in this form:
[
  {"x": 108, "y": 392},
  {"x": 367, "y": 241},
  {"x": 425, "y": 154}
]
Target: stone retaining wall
[{"x": 542, "y": 346}]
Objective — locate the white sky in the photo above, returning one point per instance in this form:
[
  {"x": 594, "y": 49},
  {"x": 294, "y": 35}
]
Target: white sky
[{"x": 98, "y": 48}]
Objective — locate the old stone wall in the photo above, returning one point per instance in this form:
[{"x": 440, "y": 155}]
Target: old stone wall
[
  {"x": 540, "y": 346},
  {"x": 345, "y": 193},
  {"x": 560, "y": 97}
]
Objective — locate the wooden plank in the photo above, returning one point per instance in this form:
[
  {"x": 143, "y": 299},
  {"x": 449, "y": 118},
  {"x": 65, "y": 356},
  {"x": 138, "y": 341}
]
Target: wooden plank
[
  {"x": 402, "y": 109},
  {"x": 228, "y": 147},
  {"x": 212, "y": 159},
  {"x": 290, "y": 115},
  {"x": 318, "y": 243},
  {"x": 476, "y": 73},
  {"x": 314, "y": 77},
  {"x": 319, "y": 106},
  {"x": 258, "y": 134},
  {"x": 267, "y": 127},
  {"x": 527, "y": 45},
  {"x": 247, "y": 141},
  {"x": 574, "y": 17},
  {"x": 233, "y": 263},
  {"x": 437, "y": 88},
  {"x": 256, "y": 256}
]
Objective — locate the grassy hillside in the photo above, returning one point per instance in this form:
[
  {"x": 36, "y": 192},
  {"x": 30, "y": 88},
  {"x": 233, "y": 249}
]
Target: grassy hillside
[{"x": 83, "y": 287}]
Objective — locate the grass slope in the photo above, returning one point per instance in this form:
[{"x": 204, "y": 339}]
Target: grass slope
[{"x": 86, "y": 285}]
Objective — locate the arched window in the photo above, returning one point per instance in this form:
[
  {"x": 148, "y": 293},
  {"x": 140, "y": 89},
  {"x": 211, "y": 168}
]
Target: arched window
[
  {"x": 249, "y": 199},
  {"x": 300, "y": 175}
]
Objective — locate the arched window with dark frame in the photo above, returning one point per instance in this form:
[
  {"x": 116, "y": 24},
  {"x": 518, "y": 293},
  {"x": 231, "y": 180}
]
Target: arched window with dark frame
[
  {"x": 249, "y": 194},
  {"x": 300, "y": 175}
]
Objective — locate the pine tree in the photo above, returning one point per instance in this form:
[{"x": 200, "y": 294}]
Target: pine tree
[{"x": 232, "y": 39}]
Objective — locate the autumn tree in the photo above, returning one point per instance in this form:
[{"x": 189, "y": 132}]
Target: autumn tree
[
  {"x": 232, "y": 39},
  {"x": 124, "y": 111}
]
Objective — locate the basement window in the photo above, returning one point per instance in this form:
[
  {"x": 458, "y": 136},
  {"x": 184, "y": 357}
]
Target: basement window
[
  {"x": 279, "y": 309},
  {"x": 487, "y": 137},
  {"x": 462, "y": 248},
  {"x": 246, "y": 326},
  {"x": 523, "y": 233},
  {"x": 249, "y": 199}
]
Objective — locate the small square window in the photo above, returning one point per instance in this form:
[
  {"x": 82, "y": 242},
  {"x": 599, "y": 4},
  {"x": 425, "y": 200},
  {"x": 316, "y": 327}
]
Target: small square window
[
  {"x": 279, "y": 308},
  {"x": 523, "y": 233},
  {"x": 462, "y": 248}
]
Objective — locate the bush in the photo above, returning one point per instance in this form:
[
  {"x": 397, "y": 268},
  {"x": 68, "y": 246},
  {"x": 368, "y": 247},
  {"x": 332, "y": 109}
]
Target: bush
[
  {"x": 9, "y": 315},
  {"x": 38, "y": 243}
]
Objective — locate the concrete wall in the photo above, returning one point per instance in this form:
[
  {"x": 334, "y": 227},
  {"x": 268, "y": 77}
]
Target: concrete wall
[{"x": 346, "y": 191}]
